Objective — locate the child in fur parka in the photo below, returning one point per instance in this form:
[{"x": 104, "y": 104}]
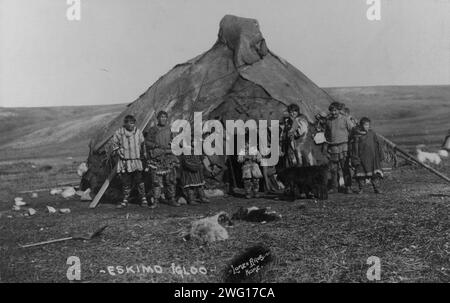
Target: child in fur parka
[{"x": 251, "y": 174}]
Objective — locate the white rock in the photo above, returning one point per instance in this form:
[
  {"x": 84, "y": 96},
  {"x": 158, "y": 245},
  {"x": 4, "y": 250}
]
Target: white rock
[
  {"x": 86, "y": 195},
  {"x": 64, "y": 210},
  {"x": 16, "y": 207},
  {"x": 443, "y": 153},
  {"x": 51, "y": 210},
  {"x": 55, "y": 191},
  {"x": 31, "y": 211},
  {"x": 34, "y": 195},
  {"x": 18, "y": 201},
  {"x": 182, "y": 201},
  {"x": 68, "y": 192},
  {"x": 210, "y": 193}
]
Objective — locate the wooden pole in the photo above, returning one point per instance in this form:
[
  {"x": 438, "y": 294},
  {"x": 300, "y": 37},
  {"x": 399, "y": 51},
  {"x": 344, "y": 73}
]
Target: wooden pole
[
  {"x": 46, "y": 242},
  {"x": 104, "y": 187},
  {"x": 403, "y": 152}
]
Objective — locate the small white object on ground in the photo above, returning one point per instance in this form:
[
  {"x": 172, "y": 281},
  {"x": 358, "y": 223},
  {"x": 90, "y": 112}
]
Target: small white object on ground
[
  {"x": 68, "y": 192},
  {"x": 51, "y": 210},
  {"x": 16, "y": 207},
  {"x": 34, "y": 195},
  {"x": 211, "y": 193},
  {"x": 443, "y": 153},
  {"x": 64, "y": 210},
  {"x": 31, "y": 211},
  {"x": 55, "y": 191},
  {"x": 86, "y": 195},
  {"x": 182, "y": 201},
  {"x": 18, "y": 201}
]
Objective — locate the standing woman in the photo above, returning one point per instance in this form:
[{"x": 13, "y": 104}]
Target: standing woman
[
  {"x": 366, "y": 155},
  {"x": 295, "y": 134}
]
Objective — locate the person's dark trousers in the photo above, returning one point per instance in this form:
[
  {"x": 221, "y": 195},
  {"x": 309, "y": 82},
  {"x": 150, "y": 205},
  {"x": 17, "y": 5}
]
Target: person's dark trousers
[
  {"x": 128, "y": 179},
  {"x": 335, "y": 166},
  {"x": 346, "y": 170}
]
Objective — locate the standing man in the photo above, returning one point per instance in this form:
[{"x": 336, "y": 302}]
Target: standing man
[
  {"x": 337, "y": 131},
  {"x": 162, "y": 161},
  {"x": 128, "y": 145}
]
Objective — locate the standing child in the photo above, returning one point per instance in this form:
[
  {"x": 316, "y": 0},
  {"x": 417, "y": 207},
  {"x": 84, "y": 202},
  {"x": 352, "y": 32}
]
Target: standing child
[
  {"x": 366, "y": 155},
  {"x": 250, "y": 157},
  {"x": 128, "y": 145}
]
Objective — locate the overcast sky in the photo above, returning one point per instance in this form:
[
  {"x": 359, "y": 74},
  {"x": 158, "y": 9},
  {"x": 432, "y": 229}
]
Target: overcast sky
[{"x": 119, "y": 48}]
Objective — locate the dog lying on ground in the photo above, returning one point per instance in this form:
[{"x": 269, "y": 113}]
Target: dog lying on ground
[
  {"x": 210, "y": 229},
  {"x": 308, "y": 180}
]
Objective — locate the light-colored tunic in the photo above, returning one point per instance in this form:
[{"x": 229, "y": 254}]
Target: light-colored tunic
[{"x": 128, "y": 145}]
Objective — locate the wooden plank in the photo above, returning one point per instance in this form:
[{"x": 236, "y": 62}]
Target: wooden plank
[{"x": 104, "y": 187}]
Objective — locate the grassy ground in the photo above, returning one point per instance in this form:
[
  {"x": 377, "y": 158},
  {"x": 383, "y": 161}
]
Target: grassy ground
[{"x": 407, "y": 227}]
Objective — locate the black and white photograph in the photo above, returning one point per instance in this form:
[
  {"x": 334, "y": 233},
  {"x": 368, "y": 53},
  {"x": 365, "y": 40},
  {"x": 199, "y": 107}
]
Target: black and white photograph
[{"x": 224, "y": 143}]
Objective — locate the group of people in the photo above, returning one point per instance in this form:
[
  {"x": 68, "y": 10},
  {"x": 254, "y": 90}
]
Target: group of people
[
  {"x": 349, "y": 148},
  {"x": 140, "y": 157}
]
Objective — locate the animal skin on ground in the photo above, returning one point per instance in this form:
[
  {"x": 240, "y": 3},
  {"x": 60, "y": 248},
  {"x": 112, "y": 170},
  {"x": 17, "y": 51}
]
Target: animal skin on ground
[{"x": 255, "y": 214}]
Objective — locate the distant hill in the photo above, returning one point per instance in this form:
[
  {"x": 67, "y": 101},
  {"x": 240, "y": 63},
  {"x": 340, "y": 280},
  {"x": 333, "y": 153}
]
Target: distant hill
[
  {"x": 51, "y": 131},
  {"x": 406, "y": 114}
]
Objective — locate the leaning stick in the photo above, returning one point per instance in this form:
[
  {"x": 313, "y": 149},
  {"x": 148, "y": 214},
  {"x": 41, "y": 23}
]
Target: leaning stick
[
  {"x": 403, "y": 152},
  {"x": 104, "y": 187}
]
